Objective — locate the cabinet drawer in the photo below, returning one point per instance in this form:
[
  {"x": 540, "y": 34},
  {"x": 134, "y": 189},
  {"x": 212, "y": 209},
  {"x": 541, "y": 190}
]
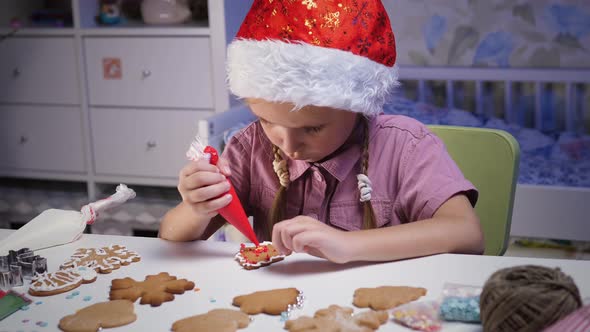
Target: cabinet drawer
[
  {"x": 152, "y": 72},
  {"x": 39, "y": 70},
  {"x": 41, "y": 138},
  {"x": 142, "y": 142}
]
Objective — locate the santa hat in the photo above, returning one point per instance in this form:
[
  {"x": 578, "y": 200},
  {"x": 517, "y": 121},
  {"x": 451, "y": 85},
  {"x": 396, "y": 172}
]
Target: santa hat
[{"x": 333, "y": 53}]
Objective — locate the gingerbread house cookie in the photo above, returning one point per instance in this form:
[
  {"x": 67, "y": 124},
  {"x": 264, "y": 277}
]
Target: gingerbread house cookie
[{"x": 252, "y": 257}]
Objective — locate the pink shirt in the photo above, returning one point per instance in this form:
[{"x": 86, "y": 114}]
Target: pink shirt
[{"x": 411, "y": 172}]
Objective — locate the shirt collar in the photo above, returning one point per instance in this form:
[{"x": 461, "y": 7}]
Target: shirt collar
[{"x": 340, "y": 164}]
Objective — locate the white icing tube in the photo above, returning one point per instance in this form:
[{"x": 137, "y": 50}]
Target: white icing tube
[
  {"x": 195, "y": 150},
  {"x": 122, "y": 194},
  {"x": 55, "y": 227}
]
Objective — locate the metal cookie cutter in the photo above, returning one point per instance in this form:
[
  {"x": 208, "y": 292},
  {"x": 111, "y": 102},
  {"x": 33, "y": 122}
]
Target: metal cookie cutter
[{"x": 18, "y": 265}]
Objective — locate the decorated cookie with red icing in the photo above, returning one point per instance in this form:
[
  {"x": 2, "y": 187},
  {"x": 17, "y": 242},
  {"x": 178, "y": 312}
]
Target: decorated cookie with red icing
[{"x": 252, "y": 257}]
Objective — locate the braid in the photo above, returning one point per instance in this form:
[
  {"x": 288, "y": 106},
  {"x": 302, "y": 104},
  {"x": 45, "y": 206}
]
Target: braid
[
  {"x": 277, "y": 210},
  {"x": 369, "y": 218}
]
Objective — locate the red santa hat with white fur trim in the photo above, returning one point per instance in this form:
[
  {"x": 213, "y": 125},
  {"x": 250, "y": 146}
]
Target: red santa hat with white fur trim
[{"x": 332, "y": 53}]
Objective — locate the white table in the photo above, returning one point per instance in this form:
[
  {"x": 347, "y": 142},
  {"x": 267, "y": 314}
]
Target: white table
[{"x": 211, "y": 266}]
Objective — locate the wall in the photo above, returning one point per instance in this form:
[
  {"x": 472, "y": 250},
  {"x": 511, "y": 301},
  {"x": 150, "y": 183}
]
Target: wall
[
  {"x": 235, "y": 11},
  {"x": 502, "y": 33}
]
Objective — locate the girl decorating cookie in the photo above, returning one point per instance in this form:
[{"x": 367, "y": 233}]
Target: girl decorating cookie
[{"x": 321, "y": 171}]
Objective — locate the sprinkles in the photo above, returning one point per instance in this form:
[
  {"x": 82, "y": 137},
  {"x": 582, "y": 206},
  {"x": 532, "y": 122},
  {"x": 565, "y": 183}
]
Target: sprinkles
[
  {"x": 298, "y": 305},
  {"x": 464, "y": 309}
]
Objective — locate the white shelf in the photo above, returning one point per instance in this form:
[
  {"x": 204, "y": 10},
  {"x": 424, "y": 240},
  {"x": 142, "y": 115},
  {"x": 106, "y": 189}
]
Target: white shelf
[
  {"x": 190, "y": 31},
  {"x": 137, "y": 180},
  {"x": 207, "y": 33},
  {"x": 146, "y": 31},
  {"x": 43, "y": 175},
  {"x": 37, "y": 31}
]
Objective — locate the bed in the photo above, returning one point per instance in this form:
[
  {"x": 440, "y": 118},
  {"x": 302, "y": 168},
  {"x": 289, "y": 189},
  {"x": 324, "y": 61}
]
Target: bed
[{"x": 546, "y": 110}]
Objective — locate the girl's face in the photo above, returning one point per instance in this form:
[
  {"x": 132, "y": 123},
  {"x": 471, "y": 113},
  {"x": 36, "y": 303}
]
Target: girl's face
[{"x": 311, "y": 133}]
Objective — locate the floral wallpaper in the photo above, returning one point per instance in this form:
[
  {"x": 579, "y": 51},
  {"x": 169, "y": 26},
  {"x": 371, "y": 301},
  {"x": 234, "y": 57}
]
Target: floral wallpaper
[{"x": 492, "y": 33}]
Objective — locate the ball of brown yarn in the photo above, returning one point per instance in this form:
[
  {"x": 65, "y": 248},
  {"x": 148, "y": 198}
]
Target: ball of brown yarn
[{"x": 527, "y": 298}]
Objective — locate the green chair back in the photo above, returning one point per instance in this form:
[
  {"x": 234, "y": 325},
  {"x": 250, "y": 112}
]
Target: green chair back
[{"x": 488, "y": 158}]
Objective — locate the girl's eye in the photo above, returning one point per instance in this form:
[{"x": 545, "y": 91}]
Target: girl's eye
[{"x": 313, "y": 130}]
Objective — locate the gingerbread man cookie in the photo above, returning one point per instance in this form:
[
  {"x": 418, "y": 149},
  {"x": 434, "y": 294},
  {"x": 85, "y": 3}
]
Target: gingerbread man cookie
[
  {"x": 386, "y": 297},
  {"x": 103, "y": 260},
  {"x": 252, "y": 257},
  {"x": 61, "y": 281},
  {"x": 221, "y": 320},
  {"x": 98, "y": 316},
  {"x": 154, "y": 290},
  {"x": 338, "y": 319},
  {"x": 272, "y": 302}
]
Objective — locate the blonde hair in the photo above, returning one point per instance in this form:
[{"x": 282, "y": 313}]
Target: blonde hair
[
  {"x": 277, "y": 210},
  {"x": 369, "y": 218}
]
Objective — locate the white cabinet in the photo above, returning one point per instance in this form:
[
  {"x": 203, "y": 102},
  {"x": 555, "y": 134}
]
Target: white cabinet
[
  {"x": 45, "y": 138},
  {"x": 80, "y": 101},
  {"x": 149, "y": 72},
  {"x": 156, "y": 148},
  {"x": 39, "y": 70}
]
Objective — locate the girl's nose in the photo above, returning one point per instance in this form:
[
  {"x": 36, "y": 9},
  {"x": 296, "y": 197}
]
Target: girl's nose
[{"x": 291, "y": 141}]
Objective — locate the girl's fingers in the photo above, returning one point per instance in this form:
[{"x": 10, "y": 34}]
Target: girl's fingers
[
  {"x": 202, "y": 179},
  {"x": 196, "y": 166},
  {"x": 209, "y": 192},
  {"x": 306, "y": 241},
  {"x": 289, "y": 232},
  {"x": 277, "y": 239},
  {"x": 223, "y": 166},
  {"x": 280, "y": 235},
  {"x": 286, "y": 242},
  {"x": 211, "y": 206}
]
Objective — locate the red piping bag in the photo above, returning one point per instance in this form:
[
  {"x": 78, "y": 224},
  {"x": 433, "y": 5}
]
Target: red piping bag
[{"x": 233, "y": 212}]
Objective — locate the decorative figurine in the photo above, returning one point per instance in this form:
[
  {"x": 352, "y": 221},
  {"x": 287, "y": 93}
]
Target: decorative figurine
[
  {"x": 110, "y": 12},
  {"x": 165, "y": 11}
]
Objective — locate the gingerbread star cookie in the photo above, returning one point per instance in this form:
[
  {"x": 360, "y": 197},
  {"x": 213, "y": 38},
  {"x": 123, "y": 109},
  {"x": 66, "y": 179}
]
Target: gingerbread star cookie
[
  {"x": 154, "y": 290},
  {"x": 103, "y": 260},
  {"x": 252, "y": 257},
  {"x": 386, "y": 297},
  {"x": 61, "y": 281},
  {"x": 98, "y": 316},
  {"x": 221, "y": 320},
  {"x": 272, "y": 302},
  {"x": 338, "y": 319}
]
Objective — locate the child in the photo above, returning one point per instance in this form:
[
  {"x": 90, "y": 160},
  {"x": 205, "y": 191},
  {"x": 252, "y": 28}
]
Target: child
[{"x": 321, "y": 172}]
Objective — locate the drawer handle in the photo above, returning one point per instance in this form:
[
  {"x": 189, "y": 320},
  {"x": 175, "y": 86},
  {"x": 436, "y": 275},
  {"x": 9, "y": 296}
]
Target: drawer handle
[
  {"x": 146, "y": 73},
  {"x": 23, "y": 140},
  {"x": 151, "y": 145},
  {"x": 16, "y": 72}
]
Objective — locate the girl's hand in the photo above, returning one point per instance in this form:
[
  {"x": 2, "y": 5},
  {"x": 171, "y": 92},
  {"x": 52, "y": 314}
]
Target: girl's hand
[
  {"x": 204, "y": 187},
  {"x": 306, "y": 234}
]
